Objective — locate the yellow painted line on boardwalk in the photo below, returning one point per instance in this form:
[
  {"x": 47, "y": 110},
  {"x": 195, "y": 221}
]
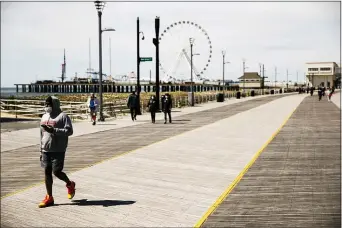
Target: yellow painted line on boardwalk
[{"x": 239, "y": 177}]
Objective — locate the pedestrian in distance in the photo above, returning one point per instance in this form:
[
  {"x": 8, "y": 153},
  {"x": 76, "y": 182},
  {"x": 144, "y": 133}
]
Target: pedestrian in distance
[
  {"x": 93, "y": 104},
  {"x": 167, "y": 106},
  {"x": 56, "y": 127},
  {"x": 152, "y": 106},
  {"x": 320, "y": 91},
  {"x": 312, "y": 90},
  {"x": 132, "y": 104},
  {"x": 329, "y": 94}
]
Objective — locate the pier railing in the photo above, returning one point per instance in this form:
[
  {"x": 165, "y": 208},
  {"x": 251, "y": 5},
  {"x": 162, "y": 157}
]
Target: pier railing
[{"x": 111, "y": 109}]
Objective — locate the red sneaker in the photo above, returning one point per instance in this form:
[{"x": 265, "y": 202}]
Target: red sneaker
[
  {"x": 71, "y": 189},
  {"x": 48, "y": 201}
]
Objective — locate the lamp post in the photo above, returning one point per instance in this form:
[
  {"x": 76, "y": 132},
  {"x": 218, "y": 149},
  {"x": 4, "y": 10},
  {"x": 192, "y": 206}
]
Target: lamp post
[
  {"x": 275, "y": 78},
  {"x": 263, "y": 79},
  {"x": 99, "y": 7},
  {"x": 192, "y": 82},
  {"x": 244, "y": 79},
  {"x": 287, "y": 81},
  {"x": 224, "y": 62},
  {"x": 156, "y": 43},
  {"x": 138, "y": 63},
  {"x": 261, "y": 84}
]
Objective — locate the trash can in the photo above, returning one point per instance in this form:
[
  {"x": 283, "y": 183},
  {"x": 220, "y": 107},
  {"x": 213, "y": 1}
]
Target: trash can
[
  {"x": 238, "y": 95},
  {"x": 252, "y": 93},
  {"x": 272, "y": 91},
  {"x": 219, "y": 97}
]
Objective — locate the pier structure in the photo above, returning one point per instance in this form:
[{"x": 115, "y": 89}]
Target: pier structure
[{"x": 110, "y": 88}]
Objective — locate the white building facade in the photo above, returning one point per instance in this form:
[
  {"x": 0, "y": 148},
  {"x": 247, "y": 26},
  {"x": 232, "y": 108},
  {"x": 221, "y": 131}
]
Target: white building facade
[{"x": 321, "y": 73}]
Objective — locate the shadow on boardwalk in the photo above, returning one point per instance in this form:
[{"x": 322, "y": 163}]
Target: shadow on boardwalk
[{"x": 104, "y": 203}]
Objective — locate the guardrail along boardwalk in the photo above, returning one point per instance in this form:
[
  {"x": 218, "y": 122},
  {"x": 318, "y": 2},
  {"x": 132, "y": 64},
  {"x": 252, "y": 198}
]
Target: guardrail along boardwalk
[{"x": 296, "y": 181}]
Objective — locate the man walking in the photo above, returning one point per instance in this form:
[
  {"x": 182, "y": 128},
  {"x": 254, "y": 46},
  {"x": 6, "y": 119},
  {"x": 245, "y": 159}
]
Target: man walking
[
  {"x": 93, "y": 104},
  {"x": 167, "y": 106},
  {"x": 55, "y": 130},
  {"x": 132, "y": 104},
  {"x": 152, "y": 106},
  {"x": 320, "y": 92}
]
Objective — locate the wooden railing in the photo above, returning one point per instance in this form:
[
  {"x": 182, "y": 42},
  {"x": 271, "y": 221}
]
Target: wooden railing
[{"x": 111, "y": 109}]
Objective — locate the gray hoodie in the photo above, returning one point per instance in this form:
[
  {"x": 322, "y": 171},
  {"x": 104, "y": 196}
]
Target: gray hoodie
[{"x": 58, "y": 140}]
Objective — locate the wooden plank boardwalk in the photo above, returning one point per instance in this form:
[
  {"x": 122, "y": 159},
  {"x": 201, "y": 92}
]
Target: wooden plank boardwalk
[
  {"x": 166, "y": 184},
  {"x": 20, "y": 167},
  {"x": 296, "y": 181}
]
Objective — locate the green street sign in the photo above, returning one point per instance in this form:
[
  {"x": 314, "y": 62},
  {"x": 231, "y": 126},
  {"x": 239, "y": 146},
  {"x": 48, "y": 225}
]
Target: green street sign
[{"x": 145, "y": 59}]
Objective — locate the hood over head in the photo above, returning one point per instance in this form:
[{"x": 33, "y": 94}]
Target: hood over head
[{"x": 55, "y": 104}]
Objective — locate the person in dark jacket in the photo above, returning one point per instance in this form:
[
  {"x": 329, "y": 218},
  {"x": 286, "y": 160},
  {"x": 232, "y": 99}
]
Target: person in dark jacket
[
  {"x": 320, "y": 93},
  {"x": 56, "y": 127},
  {"x": 167, "y": 106},
  {"x": 132, "y": 104},
  {"x": 152, "y": 107},
  {"x": 312, "y": 90}
]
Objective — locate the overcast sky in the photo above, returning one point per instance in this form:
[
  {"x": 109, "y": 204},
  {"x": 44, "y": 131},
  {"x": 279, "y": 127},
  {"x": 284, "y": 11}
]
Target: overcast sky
[{"x": 285, "y": 35}]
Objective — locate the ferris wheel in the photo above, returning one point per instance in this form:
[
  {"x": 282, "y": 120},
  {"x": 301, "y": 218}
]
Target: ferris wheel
[{"x": 175, "y": 53}]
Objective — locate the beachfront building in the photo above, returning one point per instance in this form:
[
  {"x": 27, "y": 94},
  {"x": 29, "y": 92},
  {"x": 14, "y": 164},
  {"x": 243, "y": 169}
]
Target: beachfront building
[
  {"x": 250, "y": 80},
  {"x": 321, "y": 73}
]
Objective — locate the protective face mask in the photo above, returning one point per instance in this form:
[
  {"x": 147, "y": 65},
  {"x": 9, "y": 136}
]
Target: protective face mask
[{"x": 48, "y": 109}]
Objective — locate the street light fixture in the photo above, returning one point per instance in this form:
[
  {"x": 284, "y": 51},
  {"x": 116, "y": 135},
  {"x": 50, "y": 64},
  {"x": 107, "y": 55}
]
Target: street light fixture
[
  {"x": 108, "y": 30},
  {"x": 223, "y": 82},
  {"x": 99, "y": 7}
]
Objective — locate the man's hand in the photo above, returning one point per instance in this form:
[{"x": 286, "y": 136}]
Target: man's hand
[{"x": 48, "y": 128}]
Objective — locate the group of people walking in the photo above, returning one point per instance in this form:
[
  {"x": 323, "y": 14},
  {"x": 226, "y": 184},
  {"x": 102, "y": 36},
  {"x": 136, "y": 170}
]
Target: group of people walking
[
  {"x": 322, "y": 91},
  {"x": 152, "y": 105}
]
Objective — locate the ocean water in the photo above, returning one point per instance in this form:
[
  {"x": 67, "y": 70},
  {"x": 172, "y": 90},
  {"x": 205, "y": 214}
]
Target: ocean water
[
  {"x": 12, "y": 92},
  {"x": 7, "y": 92}
]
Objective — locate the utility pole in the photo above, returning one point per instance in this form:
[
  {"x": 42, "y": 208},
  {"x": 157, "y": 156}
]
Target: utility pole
[
  {"x": 223, "y": 83},
  {"x": 150, "y": 76},
  {"x": 262, "y": 91},
  {"x": 224, "y": 63},
  {"x": 275, "y": 78},
  {"x": 110, "y": 57},
  {"x": 244, "y": 79},
  {"x": 89, "y": 57},
  {"x": 263, "y": 79},
  {"x": 297, "y": 79},
  {"x": 192, "y": 83},
  {"x": 156, "y": 43},
  {"x": 287, "y": 80},
  {"x": 138, "y": 66}
]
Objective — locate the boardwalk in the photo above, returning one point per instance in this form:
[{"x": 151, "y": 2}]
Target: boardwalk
[
  {"x": 89, "y": 149},
  {"x": 169, "y": 183},
  {"x": 296, "y": 182}
]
